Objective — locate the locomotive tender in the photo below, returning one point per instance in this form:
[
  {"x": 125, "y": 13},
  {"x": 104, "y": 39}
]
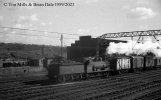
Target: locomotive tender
[{"x": 99, "y": 68}]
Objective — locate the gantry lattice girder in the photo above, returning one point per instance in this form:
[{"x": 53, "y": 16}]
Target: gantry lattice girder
[{"x": 131, "y": 34}]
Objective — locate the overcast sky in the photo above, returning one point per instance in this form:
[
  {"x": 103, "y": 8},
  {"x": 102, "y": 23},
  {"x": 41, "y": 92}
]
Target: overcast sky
[{"x": 86, "y": 17}]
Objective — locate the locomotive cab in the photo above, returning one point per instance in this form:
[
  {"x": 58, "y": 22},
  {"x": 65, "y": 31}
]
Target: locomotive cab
[{"x": 97, "y": 67}]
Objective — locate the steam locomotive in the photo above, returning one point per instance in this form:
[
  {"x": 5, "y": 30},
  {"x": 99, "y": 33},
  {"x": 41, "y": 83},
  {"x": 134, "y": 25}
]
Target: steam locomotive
[
  {"x": 62, "y": 72},
  {"x": 92, "y": 67}
]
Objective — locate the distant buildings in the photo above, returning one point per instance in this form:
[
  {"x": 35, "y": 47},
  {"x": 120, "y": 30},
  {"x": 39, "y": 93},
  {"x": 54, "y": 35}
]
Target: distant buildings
[{"x": 88, "y": 47}]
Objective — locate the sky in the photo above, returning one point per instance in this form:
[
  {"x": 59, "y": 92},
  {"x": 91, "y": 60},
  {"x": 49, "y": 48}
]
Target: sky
[{"x": 85, "y": 17}]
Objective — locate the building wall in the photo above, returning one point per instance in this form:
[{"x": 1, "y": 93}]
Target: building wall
[{"x": 87, "y": 47}]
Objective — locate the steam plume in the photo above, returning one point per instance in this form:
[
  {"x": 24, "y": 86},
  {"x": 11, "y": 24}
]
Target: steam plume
[{"x": 138, "y": 49}]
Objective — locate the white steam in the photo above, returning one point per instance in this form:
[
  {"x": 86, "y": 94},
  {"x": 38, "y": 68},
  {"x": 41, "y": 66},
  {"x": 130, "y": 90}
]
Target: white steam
[{"x": 139, "y": 49}]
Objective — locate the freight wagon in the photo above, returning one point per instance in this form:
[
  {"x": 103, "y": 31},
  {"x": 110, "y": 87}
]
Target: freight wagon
[
  {"x": 137, "y": 63},
  {"x": 158, "y": 62},
  {"x": 133, "y": 63},
  {"x": 119, "y": 64}
]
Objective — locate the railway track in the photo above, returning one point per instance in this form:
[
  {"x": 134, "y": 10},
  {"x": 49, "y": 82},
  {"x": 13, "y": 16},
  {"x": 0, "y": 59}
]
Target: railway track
[
  {"x": 139, "y": 85},
  {"x": 14, "y": 93}
]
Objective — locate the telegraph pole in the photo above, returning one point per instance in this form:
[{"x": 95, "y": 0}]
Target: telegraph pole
[
  {"x": 61, "y": 39},
  {"x": 98, "y": 47},
  {"x": 42, "y": 50},
  {"x": 132, "y": 43}
]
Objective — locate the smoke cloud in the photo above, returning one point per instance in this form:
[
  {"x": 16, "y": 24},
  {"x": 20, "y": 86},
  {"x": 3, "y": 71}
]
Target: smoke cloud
[{"x": 141, "y": 48}]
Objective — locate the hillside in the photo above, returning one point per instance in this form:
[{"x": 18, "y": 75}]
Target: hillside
[{"x": 31, "y": 51}]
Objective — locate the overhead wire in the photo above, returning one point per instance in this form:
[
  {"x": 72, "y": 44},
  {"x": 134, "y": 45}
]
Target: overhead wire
[
  {"x": 25, "y": 29},
  {"x": 39, "y": 31},
  {"x": 38, "y": 35}
]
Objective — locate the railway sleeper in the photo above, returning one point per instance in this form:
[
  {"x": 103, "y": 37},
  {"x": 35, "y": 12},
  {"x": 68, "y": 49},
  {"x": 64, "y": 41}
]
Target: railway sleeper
[
  {"x": 144, "y": 92},
  {"x": 114, "y": 92},
  {"x": 29, "y": 93},
  {"x": 150, "y": 93}
]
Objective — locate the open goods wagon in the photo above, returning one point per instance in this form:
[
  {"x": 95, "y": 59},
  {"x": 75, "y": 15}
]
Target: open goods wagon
[{"x": 133, "y": 63}]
